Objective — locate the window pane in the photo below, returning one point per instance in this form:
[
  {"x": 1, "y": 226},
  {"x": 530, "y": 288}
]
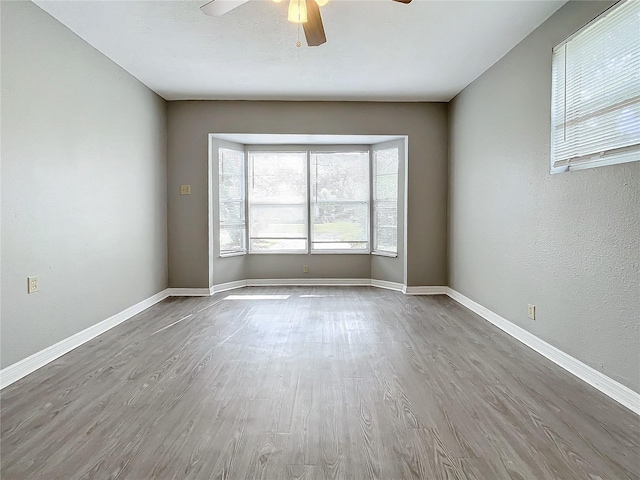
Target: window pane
[
  {"x": 340, "y": 176},
  {"x": 279, "y": 221},
  {"x": 340, "y": 196},
  {"x": 231, "y": 198},
  {"x": 278, "y": 177},
  {"x": 387, "y": 187},
  {"x": 232, "y": 212},
  {"x": 278, "y": 244},
  {"x": 231, "y": 239},
  {"x": 386, "y": 214},
  {"x": 386, "y": 227},
  {"x": 278, "y": 201},
  {"x": 230, "y": 174},
  {"x": 386, "y": 161},
  {"x": 341, "y": 222},
  {"x": 385, "y": 193}
]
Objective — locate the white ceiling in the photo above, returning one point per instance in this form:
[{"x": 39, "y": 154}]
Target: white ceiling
[{"x": 377, "y": 50}]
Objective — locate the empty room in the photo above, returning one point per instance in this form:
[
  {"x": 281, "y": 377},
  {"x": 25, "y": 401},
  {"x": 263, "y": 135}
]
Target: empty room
[{"x": 320, "y": 239}]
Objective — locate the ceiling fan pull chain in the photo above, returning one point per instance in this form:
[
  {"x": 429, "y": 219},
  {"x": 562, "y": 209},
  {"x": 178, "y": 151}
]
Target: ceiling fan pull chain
[{"x": 298, "y": 44}]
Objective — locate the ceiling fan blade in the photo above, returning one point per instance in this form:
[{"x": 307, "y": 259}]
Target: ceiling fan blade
[
  {"x": 215, "y": 8},
  {"x": 313, "y": 28},
  {"x": 403, "y": 1}
]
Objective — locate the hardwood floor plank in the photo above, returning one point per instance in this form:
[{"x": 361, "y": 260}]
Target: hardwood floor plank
[{"x": 314, "y": 383}]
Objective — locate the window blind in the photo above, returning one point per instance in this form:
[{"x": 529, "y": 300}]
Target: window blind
[
  {"x": 277, "y": 202},
  {"x": 231, "y": 195},
  {"x": 385, "y": 200},
  {"x": 595, "y": 108}
]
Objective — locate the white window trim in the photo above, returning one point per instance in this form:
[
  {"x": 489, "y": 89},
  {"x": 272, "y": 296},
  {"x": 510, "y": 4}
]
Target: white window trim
[
  {"x": 233, "y": 254},
  {"x": 384, "y": 253}
]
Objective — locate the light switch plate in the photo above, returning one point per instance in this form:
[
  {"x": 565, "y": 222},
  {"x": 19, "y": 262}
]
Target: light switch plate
[{"x": 185, "y": 189}]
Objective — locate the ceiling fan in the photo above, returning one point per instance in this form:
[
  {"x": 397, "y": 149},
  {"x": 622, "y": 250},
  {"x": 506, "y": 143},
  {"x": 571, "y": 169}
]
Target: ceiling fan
[{"x": 306, "y": 12}]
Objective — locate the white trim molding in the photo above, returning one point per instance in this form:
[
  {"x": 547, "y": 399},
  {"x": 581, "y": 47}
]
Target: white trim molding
[
  {"x": 223, "y": 287},
  {"x": 615, "y": 390},
  {"x": 189, "y": 292},
  {"x": 398, "y": 287},
  {"x": 436, "y": 290},
  {"x": 28, "y": 365},
  {"x": 312, "y": 282}
]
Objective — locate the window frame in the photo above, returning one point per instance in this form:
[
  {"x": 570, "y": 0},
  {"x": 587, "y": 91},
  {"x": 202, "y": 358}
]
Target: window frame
[
  {"x": 341, "y": 149},
  {"x": 249, "y": 149},
  {"x": 374, "y": 178},
  {"x": 308, "y": 149},
  {"x": 242, "y": 201},
  {"x": 610, "y": 155}
]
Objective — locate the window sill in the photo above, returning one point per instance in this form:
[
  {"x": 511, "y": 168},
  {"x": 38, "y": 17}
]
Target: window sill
[
  {"x": 385, "y": 254},
  {"x": 280, "y": 252},
  {"x": 232, "y": 254},
  {"x": 340, "y": 252}
]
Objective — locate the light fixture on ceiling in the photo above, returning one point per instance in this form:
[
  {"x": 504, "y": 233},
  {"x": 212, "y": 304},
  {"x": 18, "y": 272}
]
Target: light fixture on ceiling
[
  {"x": 301, "y": 12},
  {"x": 321, "y": 3},
  {"x": 297, "y": 11}
]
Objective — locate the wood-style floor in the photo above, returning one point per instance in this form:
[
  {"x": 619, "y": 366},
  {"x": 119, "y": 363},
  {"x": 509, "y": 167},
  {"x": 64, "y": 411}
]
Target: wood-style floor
[{"x": 311, "y": 383}]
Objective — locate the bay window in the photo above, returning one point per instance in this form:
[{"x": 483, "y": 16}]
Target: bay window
[{"x": 317, "y": 199}]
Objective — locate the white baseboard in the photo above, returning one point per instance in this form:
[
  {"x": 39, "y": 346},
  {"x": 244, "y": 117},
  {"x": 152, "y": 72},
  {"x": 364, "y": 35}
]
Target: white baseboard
[
  {"x": 311, "y": 282},
  {"x": 223, "y": 287},
  {"x": 189, "y": 292},
  {"x": 618, "y": 392},
  {"x": 437, "y": 290},
  {"x": 39, "y": 359},
  {"x": 398, "y": 287}
]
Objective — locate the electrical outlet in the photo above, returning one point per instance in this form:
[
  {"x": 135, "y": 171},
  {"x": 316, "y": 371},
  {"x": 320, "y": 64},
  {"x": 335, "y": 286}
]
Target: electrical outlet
[
  {"x": 305, "y": 268},
  {"x": 32, "y": 284},
  {"x": 185, "y": 189},
  {"x": 531, "y": 311}
]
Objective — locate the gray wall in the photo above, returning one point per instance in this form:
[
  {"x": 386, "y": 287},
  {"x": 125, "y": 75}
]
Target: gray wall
[
  {"x": 189, "y": 124},
  {"x": 83, "y": 184},
  {"x": 568, "y": 243}
]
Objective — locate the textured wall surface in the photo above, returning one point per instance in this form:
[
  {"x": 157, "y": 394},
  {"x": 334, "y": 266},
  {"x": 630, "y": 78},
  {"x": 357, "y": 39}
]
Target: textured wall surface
[
  {"x": 568, "y": 243},
  {"x": 189, "y": 124},
  {"x": 83, "y": 184}
]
